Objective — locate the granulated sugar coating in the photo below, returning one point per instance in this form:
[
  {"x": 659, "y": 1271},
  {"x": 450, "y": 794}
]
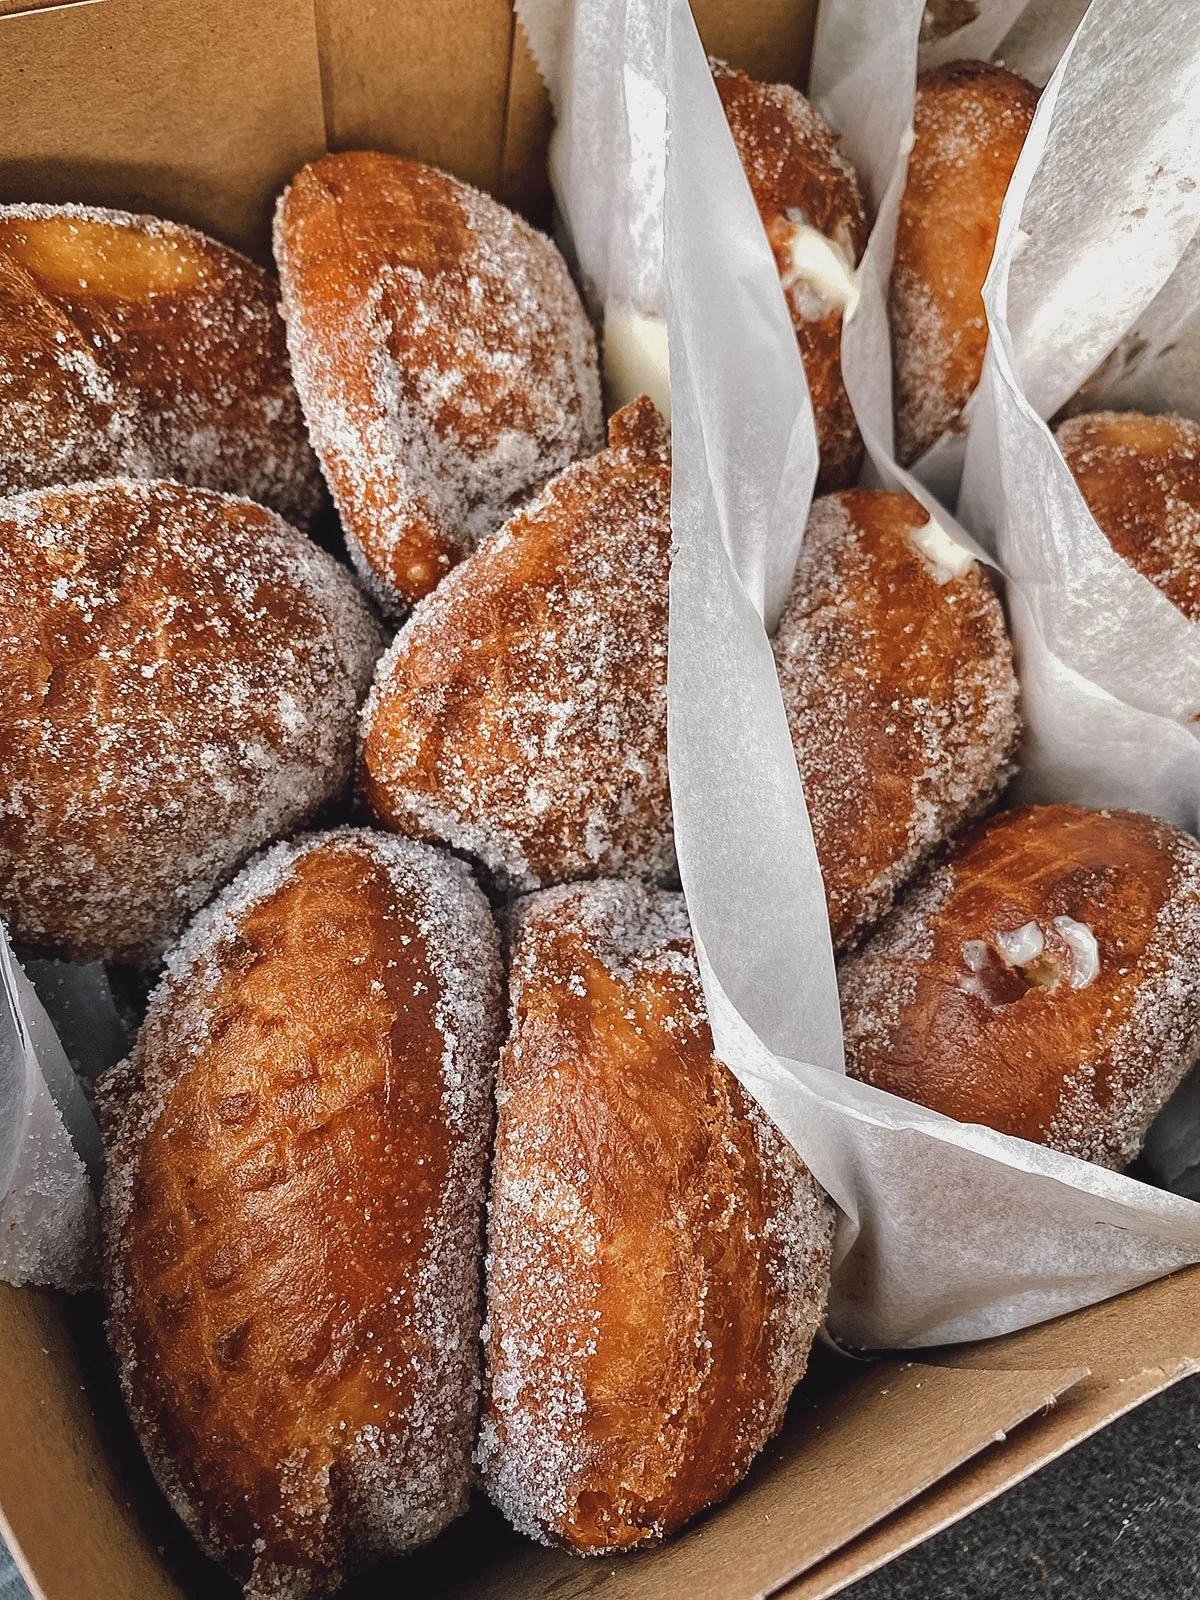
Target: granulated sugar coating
[
  {"x": 443, "y": 357},
  {"x": 1141, "y": 478},
  {"x": 798, "y": 175},
  {"x": 658, "y": 1255},
  {"x": 1043, "y": 982},
  {"x": 521, "y": 714},
  {"x": 135, "y": 347},
  {"x": 897, "y": 680},
  {"x": 180, "y": 675},
  {"x": 293, "y": 1208},
  {"x": 969, "y": 122}
]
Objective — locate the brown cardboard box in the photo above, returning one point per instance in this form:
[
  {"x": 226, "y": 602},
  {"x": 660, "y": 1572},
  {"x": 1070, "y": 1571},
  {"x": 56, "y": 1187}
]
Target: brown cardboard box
[{"x": 200, "y": 110}]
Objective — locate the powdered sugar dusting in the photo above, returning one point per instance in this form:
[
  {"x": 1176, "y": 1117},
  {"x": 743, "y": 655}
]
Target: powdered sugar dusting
[
  {"x": 900, "y": 696},
  {"x": 450, "y": 373},
  {"x": 181, "y": 673},
  {"x": 356, "y": 1478},
  {"x": 1141, "y": 478},
  {"x": 575, "y": 1447},
  {"x": 520, "y": 714},
  {"x": 179, "y": 373}
]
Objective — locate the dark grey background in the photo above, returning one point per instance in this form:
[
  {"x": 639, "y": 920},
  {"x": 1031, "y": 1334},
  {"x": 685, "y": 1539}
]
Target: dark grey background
[{"x": 1118, "y": 1518}]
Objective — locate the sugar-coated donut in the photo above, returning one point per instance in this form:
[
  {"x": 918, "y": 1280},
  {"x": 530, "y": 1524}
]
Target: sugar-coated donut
[
  {"x": 443, "y": 358},
  {"x": 135, "y": 347},
  {"x": 1044, "y": 981},
  {"x": 970, "y": 122},
  {"x": 521, "y": 713},
  {"x": 809, "y": 198},
  {"x": 180, "y": 673},
  {"x": 293, "y": 1205},
  {"x": 897, "y": 680},
  {"x": 658, "y": 1254},
  {"x": 1140, "y": 476}
]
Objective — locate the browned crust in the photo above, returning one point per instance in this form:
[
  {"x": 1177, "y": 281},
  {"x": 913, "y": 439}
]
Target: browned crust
[
  {"x": 1140, "y": 476},
  {"x": 900, "y": 697},
  {"x": 970, "y": 122},
  {"x": 292, "y": 1209},
  {"x": 521, "y": 713},
  {"x": 445, "y": 363},
  {"x": 659, "y": 1256},
  {"x": 1082, "y": 1069},
  {"x": 796, "y": 169},
  {"x": 180, "y": 674},
  {"x": 133, "y": 346}
]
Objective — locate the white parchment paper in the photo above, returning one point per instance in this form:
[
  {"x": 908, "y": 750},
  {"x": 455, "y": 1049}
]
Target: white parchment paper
[
  {"x": 947, "y": 1232},
  {"x": 49, "y": 1146}
]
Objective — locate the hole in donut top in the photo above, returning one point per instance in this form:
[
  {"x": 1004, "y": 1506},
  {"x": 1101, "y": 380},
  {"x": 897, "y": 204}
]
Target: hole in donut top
[
  {"x": 1017, "y": 960},
  {"x": 817, "y": 272},
  {"x": 70, "y": 254}
]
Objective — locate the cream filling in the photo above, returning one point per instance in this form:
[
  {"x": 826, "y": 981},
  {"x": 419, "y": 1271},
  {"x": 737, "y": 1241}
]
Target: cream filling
[
  {"x": 1085, "y": 952},
  {"x": 635, "y": 358},
  {"x": 822, "y": 265},
  {"x": 944, "y": 556}
]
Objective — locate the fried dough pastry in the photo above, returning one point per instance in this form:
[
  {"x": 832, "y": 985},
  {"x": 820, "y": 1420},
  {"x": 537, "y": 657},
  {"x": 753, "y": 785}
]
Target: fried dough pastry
[
  {"x": 812, "y": 208},
  {"x": 135, "y": 347},
  {"x": 1042, "y": 982},
  {"x": 658, "y": 1254},
  {"x": 293, "y": 1206},
  {"x": 1140, "y": 476},
  {"x": 520, "y": 714},
  {"x": 897, "y": 679},
  {"x": 443, "y": 358},
  {"x": 970, "y": 122},
  {"x": 180, "y": 675}
]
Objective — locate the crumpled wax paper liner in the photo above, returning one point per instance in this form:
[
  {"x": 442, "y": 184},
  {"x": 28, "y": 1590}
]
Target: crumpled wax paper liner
[
  {"x": 49, "y": 1146},
  {"x": 1094, "y": 298},
  {"x": 864, "y": 82},
  {"x": 947, "y": 1232}
]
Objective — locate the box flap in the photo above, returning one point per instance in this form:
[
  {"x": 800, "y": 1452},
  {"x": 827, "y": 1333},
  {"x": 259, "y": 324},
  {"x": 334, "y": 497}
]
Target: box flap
[
  {"x": 1136, "y": 1346},
  {"x": 197, "y": 112}
]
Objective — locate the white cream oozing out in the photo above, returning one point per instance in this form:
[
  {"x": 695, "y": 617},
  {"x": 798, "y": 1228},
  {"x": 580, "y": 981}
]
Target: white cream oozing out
[
  {"x": 1021, "y": 945},
  {"x": 822, "y": 265},
  {"x": 635, "y": 358},
  {"x": 944, "y": 556},
  {"x": 1085, "y": 952}
]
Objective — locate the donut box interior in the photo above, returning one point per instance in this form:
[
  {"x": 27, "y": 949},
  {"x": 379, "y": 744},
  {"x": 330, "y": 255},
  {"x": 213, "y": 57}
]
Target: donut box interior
[{"x": 200, "y": 110}]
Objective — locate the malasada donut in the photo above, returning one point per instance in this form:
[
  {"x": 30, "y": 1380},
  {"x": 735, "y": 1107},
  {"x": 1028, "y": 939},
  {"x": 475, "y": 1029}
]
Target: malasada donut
[
  {"x": 292, "y": 1209},
  {"x": 134, "y": 347},
  {"x": 809, "y": 198},
  {"x": 1043, "y": 982},
  {"x": 1140, "y": 476},
  {"x": 180, "y": 675},
  {"x": 970, "y": 122},
  {"x": 658, "y": 1254},
  {"x": 443, "y": 358},
  {"x": 897, "y": 680},
  {"x": 521, "y": 714}
]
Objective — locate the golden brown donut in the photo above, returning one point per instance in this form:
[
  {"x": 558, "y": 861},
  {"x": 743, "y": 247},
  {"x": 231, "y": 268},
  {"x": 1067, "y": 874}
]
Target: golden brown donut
[
  {"x": 970, "y": 122},
  {"x": 897, "y": 679},
  {"x": 180, "y": 675},
  {"x": 1043, "y": 981},
  {"x": 293, "y": 1205},
  {"x": 445, "y": 363},
  {"x": 799, "y": 177},
  {"x": 520, "y": 714},
  {"x": 135, "y": 347},
  {"x": 1141, "y": 479},
  {"x": 658, "y": 1254}
]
